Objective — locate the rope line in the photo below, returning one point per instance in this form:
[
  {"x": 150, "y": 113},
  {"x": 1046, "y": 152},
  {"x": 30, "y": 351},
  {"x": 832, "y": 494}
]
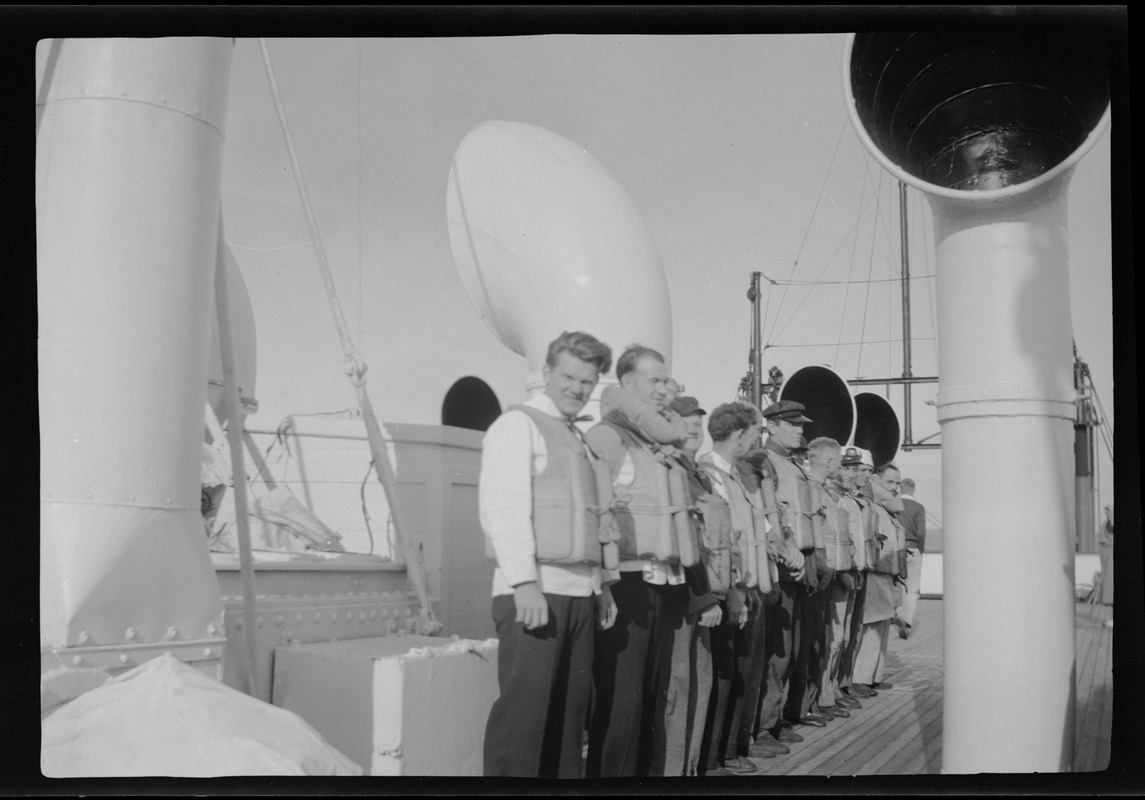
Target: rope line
[{"x": 355, "y": 369}]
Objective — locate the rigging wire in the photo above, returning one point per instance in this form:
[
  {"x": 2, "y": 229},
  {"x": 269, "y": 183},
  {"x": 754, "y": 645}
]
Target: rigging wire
[
  {"x": 851, "y": 265},
  {"x": 487, "y": 82},
  {"x": 365, "y": 510},
  {"x": 353, "y": 366},
  {"x": 864, "y": 202},
  {"x": 858, "y": 343},
  {"x": 811, "y": 221},
  {"x": 870, "y": 266},
  {"x": 849, "y": 282}
]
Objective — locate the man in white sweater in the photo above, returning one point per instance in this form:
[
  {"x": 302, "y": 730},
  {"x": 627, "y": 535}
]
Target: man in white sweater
[{"x": 539, "y": 510}]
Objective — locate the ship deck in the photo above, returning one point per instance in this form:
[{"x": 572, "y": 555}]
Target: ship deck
[{"x": 899, "y": 732}]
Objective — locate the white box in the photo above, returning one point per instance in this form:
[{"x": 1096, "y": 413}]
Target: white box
[{"x": 397, "y": 705}]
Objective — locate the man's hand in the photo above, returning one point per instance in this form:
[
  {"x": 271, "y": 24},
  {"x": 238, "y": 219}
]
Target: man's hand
[
  {"x": 711, "y": 618},
  {"x": 797, "y": 567},
  {"x": 532, "y": 608},
  {"x": 605, "y": 609}
]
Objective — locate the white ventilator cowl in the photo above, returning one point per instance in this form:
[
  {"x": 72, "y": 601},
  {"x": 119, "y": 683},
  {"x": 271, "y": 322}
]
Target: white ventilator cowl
[{"x": 546, "y": 240}]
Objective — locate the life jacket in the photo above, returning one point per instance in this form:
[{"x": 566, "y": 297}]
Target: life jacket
[
  {"x": 861, "y": 523},
  {"x": 655, "y": 521},
  {"x": 715, "y": 526},
  {"x": 566, "y": 511},
  {"x": 793, "y": 493},
  {"x": 836, "y": 533},
  {"x": 891, "y": 541},
  {"x": 749, "y": 526},
  {"x": 713, "y": 521}
]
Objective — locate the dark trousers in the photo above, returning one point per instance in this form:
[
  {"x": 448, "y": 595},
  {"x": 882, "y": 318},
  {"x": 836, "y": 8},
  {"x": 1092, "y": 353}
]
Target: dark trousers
[
  {"x": 807, "y": 675},
  {"x": 536, "y": 726},
  {"x": 631, "y": 670},
  {"x": 847, "y": 666},
  {"x": 753, "y": 668},
  {"x": 718, "y": 727},
  {"x": 783, "y": 639}
]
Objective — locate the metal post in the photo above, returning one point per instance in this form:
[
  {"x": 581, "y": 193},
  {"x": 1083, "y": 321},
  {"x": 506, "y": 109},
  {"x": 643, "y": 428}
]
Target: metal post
[
  {"x": 908, "y": 430},
  {"x": 756, "y": 344}
]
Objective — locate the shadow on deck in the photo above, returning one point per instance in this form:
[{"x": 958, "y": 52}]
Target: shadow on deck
[{"x": 899, "y": 732}]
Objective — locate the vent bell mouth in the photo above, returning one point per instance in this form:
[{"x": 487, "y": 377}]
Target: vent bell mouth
[
  {"x": 470, "y": 403},
  {"x": 978, "y": 111}
]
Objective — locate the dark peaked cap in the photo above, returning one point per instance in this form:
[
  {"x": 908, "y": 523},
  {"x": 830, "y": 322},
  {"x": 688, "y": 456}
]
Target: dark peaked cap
[
  {"x": 685, "y": 406},
  {"x": 785, "y": 410}
]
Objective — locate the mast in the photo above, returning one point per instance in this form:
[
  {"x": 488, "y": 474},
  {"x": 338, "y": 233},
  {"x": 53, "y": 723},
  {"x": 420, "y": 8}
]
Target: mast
[
  {"x": 908, "y": 432},
  {"x": 1083, "y": 451},
  {"x": 756, "y": 366}
]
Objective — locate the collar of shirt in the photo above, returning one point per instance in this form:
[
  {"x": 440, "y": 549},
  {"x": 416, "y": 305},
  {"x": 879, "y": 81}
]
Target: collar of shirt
[
  {"x": 542, "y": 402},
  {"x": 907, "y": 496},
  {"x": 723, "y": 464}
]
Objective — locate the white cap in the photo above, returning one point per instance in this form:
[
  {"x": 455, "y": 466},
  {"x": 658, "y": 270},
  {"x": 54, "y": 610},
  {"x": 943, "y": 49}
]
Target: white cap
[{"x": 868, "y": 459}]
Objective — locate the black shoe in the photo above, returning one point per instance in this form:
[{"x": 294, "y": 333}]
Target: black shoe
[
  {"x": 847, "y": 702},
  {"x": 813, "y": 720},
  {"x": 882, "y": 687},
  {"x": 785, "y": 735},
  {"x": 835, "y": 711},
  {"x": 861, "y": 691}
]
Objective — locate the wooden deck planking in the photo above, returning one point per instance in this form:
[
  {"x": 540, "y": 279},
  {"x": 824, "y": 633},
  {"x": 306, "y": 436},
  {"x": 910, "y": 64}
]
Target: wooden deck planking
[
  {"x": 862, "y": 744},
  {"x": 1093, "y": 721},
  {"x": 833, "y": 752},
  {"x": 905, "y": 754},
  {"x": 899, "y": 732},
  {"x": 1088, "y": 717}
]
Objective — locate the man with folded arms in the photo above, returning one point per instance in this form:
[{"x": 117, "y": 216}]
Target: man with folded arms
[{"x": 632, "y": 715}]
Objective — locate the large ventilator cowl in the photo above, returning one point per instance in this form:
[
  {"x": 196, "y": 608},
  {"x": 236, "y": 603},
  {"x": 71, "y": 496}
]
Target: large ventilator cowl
[
  {"x": 977, "y": 111},
  {"x": 989, "y": 127},
  {"x": 877, "y": 427},
  {"x": 546, "y": 241},
  {"x": 827, "y": 400}
]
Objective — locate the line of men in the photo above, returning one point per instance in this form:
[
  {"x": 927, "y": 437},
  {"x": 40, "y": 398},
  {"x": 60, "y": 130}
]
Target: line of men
[{"x": 688, "y": 613}]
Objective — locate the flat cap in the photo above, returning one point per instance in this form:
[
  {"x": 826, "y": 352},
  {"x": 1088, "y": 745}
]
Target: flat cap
[
  {"x": 851, "y": 457},
  {"x": 787, "y": 410}
]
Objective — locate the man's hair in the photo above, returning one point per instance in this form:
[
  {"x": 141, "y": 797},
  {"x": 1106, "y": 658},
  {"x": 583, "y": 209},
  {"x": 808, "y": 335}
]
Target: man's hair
[
  {"x": 583, "y": 346},
  {"x": 821, "y": 445},
  {"x": 631, "y": 356},
  {"x": 730, "y": 418},
  {"x": 908, "y": 485},
  {"x": 885, "y": 467}
]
